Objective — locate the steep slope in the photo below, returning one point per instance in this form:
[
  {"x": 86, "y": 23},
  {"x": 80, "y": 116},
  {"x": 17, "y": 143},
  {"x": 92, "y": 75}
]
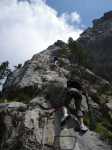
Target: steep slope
[
  {"x": 98, "y": 41},
  {"x": 39, "y": 84}
]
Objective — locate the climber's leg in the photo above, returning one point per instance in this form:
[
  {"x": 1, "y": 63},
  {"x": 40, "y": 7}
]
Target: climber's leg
[
  {"x": 82, "y": 126},
  {"x": 65, "y": 115},
  {"x": 80, "y": 114}
]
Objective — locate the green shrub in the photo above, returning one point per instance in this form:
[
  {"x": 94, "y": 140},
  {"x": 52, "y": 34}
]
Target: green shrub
[
  {"x": 7, "y": 100},
  {"x": 104, "y": 132},
  {"x": 78, "y": 54},
  {"x": 103, "y": 126}
]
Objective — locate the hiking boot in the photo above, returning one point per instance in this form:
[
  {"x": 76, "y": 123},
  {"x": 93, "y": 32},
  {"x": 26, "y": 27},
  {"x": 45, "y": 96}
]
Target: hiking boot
[{"x": 83, "y": 128}]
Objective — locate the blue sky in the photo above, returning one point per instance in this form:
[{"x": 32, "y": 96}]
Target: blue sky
[{"x": 88, "y": 9}]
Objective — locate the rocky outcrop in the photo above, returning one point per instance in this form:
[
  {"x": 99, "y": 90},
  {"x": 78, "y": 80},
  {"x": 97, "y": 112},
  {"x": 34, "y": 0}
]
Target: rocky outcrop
[
  {"x": 30, "y": 128},
  {"x": 98, "y": 41},
  {"x": 36, "y": 73},
  {"x": 39, "y": 84}
]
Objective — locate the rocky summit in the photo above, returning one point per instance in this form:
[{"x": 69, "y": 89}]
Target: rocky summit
[{"x": 97, "y": 40}]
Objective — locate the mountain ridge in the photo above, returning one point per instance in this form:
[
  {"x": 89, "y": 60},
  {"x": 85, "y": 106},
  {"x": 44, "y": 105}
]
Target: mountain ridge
[{"x": 97, "y": 41}]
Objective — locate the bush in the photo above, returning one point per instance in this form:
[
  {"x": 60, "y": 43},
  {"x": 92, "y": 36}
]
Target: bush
[
  {"x": 104, "y": 132},
  {"x": 102, "y": 127},
  {"x": 7, "y": 100},
  {"x": 77, "y": 53}
]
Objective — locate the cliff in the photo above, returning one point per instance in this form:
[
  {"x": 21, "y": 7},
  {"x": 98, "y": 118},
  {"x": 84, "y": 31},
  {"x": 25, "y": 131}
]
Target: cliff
[{"x": 97, "y": 40}]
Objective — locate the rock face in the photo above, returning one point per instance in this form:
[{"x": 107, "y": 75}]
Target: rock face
[
  {"x": 98, "y": 41},
  {"x": 38, "y": 72},
  {"x": 25, "y": 129},
  {"x": 39, "y": 84}
]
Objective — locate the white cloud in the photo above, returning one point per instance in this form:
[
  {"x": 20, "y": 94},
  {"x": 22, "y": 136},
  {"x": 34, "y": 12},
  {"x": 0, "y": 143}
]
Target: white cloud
[
  {"x": 44, "y": 1},
  {"x": 27, "y": 29},
  {"x": 75, "y": 17},
  {"x": 72, "y": 17}
]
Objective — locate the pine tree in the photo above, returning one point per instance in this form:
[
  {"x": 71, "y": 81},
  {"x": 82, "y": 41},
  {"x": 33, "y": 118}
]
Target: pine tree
[{"x": 4, "y": 69}]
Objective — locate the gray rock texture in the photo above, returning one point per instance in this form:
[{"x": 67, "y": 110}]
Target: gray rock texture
[
  {"x": 28, "y": 130},
  {"x": 39, "y": 84},
  {"x": 97, "y": 40}
]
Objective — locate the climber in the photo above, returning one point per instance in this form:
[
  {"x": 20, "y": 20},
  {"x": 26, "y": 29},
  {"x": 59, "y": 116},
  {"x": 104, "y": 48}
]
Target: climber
[
  {"x": 55, "y": 60},
  {"x": 74, "y": 91},
  {"x": 56, "y": 65}
]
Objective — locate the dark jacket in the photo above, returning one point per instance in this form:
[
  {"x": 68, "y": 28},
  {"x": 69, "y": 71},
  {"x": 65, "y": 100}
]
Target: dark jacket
[{"x": 72, "y": 93}]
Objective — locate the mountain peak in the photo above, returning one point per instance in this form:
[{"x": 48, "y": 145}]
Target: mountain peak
[
  {"x": 106, "y": 17},
  {"x": 98, "y": 40}
]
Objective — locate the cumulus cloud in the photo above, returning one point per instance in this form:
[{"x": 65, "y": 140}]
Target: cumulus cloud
[
  {"x": 29, "y": 26},
  {"x": 73, "y": 17}
]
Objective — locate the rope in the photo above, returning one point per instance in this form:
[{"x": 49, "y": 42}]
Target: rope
[
  {"x": 43, "y": 134},
  {"x": 47, "y": 117},
  {"x": 43, "y": 139}
]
